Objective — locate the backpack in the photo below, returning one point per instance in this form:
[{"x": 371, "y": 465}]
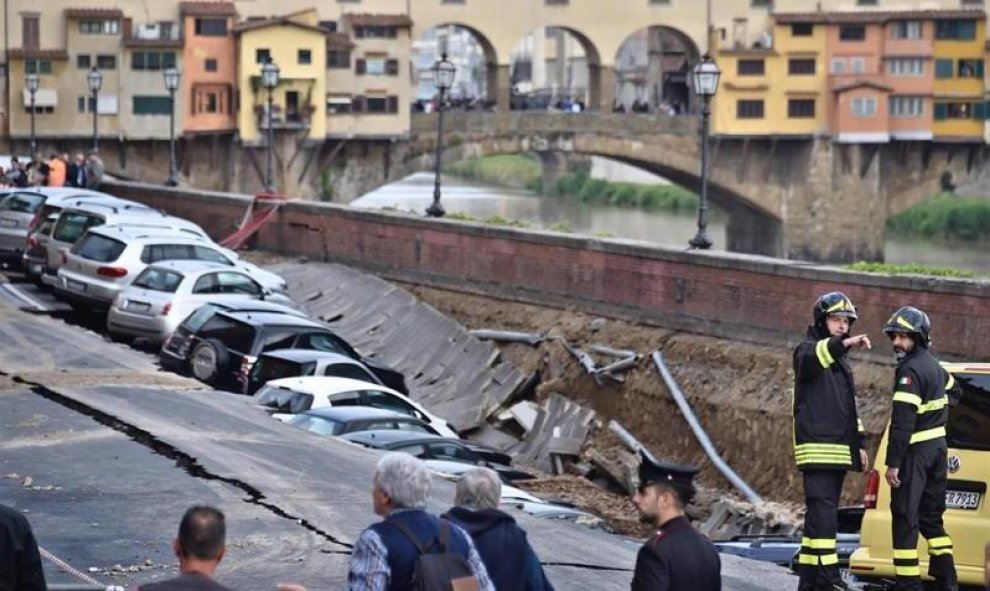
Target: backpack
[{"x": 436, "y": 568}]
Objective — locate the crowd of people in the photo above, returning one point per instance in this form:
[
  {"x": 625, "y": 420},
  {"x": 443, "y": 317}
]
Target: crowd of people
[{"x": 58, "y": 170}]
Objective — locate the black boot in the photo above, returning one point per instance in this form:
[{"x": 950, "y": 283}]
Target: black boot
[
  {"x": 806, "y": 577},
  {"x": 831, "y": 580}
]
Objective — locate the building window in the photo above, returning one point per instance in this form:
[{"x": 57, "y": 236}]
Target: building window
[
  {"x": 852, "y": 33},
  {"x": 761, "y": 3},
  {"x": 863, "y": 108},
  {"x": 338, "y": 105},
  {"x": 329, "y": 26},
  {"x": 99, "y": 27},
  {"x": 801, "y": 108},
  {"x": 262, "y": 56},
  {"x": 905, "y": 30},
  {"x": 39, "y": 110},
  {"x": 339, "y": 59},
  {"x": 82, "y": 61},
  {"x": 106, "y": 62},
  {"x": 553, "y": 3},
  {"x": 304, "y": 57},
  {"x": 907, "y": 106},
  {"x": 750, "y": 67},
  {"x": 31, "y": 31},
  {"x": 857, "y": 65},
  {"x": 152, "y": 60},
  {"x": 210, "y": 64},
  {"x": 802, "y": 29},
  {"x": 801, "y": 66},
  {"x": 211, "y": 102},
  {"x": 37, "y": 66},
  {"x": 955, "y": 29},
  {"x": 970, "y": 68},
  {"x": 749, "y": 109},
  {"x": 211, "y": 27},
  {"x": 906, "y": 67},
  {"x": 378, "y": 66},
  {"x": 960, "y": 110},
  {"x": 373, "y": 32},
  {"x": 382, "y": 104},
  {"x": 85, "y": 104},
  {"x": 972, "y": 2},
  {"x": 866, "y": 2},
  {"x": 151, "y": 105},
  {"x": 837, "y": 66},
  {"x": 943, "y": 68}
]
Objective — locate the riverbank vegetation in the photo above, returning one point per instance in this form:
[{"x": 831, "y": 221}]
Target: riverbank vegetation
[
  {"x": 945, "y": 217},
  {"x": 526, "y": 172},
  {"x": 909, "y": 269}
]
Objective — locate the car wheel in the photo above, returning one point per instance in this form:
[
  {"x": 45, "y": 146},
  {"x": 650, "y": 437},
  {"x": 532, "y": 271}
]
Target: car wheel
[
  {"x": 208, "y": 361},
  {"x": 118, "y": 337}
]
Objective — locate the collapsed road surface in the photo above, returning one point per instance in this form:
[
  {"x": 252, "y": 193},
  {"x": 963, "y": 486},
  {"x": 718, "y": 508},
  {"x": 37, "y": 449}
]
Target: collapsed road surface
[{"x": 102, "y": 451}]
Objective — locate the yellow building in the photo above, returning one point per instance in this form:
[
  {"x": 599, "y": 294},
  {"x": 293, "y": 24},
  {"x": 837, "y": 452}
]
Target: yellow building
[
  {"x": 960, "y": 111},
  {"x": 298, "y": 46},
  {"x": 777, "y": 90}
]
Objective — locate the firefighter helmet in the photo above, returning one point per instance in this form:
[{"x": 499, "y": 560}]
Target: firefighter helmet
[
  {"x": 834, "y": 302},
  {"x": 912, "y": 321}
]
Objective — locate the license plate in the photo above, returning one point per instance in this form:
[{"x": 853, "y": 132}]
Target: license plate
[
  {"x": 76, "y": 285},
  {"x": 956, "y": 499},
  {"x": 138, "y": 306},
  {"x": 8, "y": 223}
]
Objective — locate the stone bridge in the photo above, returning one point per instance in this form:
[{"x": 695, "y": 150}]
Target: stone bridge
[{"x": 804, "y": 198}]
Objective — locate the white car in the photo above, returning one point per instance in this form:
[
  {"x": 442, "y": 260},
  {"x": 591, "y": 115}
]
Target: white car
[
  {"x": 165, "y": 293},
  {"x": 295, "y": 395}
]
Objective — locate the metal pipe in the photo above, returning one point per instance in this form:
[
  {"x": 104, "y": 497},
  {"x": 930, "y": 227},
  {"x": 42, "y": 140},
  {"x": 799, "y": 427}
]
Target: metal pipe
[
  {"x": 268, "y": 168},
  {"x": 606, "y": 350},
  {"x": 621, "y": 364},
  {"x": 699, "y": 432},
  {"x": 508, "y": 336}
]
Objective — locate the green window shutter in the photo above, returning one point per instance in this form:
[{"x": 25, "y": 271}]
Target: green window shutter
[
  {"x": 941, "y": 111},
  {"x": 979, "y": 68},
  {"x": 152, "y": 105},
  {"x": 979, "y": 110},
  {"x": 943, "y": 68},
  {"x": 967, "y": 30}
]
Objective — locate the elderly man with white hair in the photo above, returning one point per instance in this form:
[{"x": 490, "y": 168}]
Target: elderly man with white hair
[
  {"x": 385, "y": 556},
  {"x": 511, "y": 562}
]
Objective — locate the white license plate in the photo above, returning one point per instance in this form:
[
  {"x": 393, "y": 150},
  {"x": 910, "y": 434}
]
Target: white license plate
[
  {"x": 76, "y": 285},
  {"x": 957, "y": 499},
  {"x": 8, "y": 223},
  {"x": 138, "y": 306}
]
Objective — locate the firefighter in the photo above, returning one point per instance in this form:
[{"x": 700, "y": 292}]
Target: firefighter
[
  {"x": 917, "y": 461},
  {"x": 828, "y": 435}
]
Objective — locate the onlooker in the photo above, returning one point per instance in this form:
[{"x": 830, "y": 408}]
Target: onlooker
[
  {"x": 15, "y": 175},
  {"x": 77, "y": 172},
  {"x": 200, "y": 547},
  {"x": 56, "y": 171},
  {"x": 38, "y": 171},
  {"x": 94, "y": 170},
  {"x": 511, "y": 562},
  {"x": 19, "y": 554}
]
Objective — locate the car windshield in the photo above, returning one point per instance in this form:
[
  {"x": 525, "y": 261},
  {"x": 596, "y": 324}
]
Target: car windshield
[
  {"x": 318, "y": 425},
  {"x": 284, "y": 399},
  {"x": 99, "y": 248},
  {"x": 349, "y": 370},
  {"x": 273, "y": 368},
  {"x": 197, "y": 319},
  {"x": 22, "y": 203},
  {"x": 71, "y": 225},
  {"x": 158, "y": 280},
  {"x": 969, "y": 421}
]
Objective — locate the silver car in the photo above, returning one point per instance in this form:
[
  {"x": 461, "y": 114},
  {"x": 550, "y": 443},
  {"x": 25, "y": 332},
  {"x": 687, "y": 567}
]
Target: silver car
[
  {"x": 165, "y": 293},
  {"x": 20, "y": 209},
  {"x": 40, "y": 228},
  {"x": 108, "y": 258}
]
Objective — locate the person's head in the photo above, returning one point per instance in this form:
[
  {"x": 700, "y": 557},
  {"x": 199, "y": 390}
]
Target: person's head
[
  {"x": 664, "y": 490},
  {"x": 401, "y": 481},
  {"x": 478, "y": 488},
  {"x": 202, "y": 538},
  {"x": 834, "y": 313},
  {"x": 64, "y": 156},
  {"x": 80, "y": 158},
  {"x": 907, "y": 329}
]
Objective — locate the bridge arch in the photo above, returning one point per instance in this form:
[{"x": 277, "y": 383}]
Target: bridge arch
[
  {"x": 459, "y": 41},
  {"x": 576, "y": 63},
  {"x": 652, "y": 71}
]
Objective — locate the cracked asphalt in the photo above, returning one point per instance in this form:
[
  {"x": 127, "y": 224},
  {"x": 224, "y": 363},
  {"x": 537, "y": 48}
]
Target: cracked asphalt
[{"x": 116, "y": 450}]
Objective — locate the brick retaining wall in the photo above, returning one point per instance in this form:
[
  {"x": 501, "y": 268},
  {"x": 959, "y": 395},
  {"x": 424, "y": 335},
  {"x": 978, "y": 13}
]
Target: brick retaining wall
[{"x": 723, "y": 294}]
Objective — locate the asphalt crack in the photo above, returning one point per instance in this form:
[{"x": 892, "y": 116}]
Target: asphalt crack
[{"x": 183, "y": 461}]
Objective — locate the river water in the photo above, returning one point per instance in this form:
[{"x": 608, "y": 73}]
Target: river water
[{"x": 414, "y": 193}]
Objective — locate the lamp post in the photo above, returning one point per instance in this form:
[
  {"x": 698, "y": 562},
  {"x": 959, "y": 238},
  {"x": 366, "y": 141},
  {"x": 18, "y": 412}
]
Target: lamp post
[
  {"x": 443, "y": 79},
  {"x": 32, "y": 81},
  {"x": 269, "y": 78},
  {"x": 705, "y": 77},
  {"x": 171, "y": 76},
  {"x": 95, "y": 80}
]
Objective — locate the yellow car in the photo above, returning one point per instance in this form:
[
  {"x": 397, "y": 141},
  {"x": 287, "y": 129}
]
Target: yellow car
[{"x": 967, "y": 515}]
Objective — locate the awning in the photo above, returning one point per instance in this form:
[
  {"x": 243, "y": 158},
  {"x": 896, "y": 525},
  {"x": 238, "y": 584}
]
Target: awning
[
  {"x": 43, "y": 97},
  {"x": 339, "y": 100}
]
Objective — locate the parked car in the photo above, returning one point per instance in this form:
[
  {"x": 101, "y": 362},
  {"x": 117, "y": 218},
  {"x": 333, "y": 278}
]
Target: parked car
[
  {"x": 434, "y": 447},
  {"x": 107, "y": 258},
  {"x": 166, "y": 293},
  {"x": 296, "y": 395},
  {"x": 221, "y": 349},
  {"x": 338, "y": 420},
  {"x": 287, "y": 363},
  {"x": 21, "y": 209},
  {"x": 967, "y": 514}
]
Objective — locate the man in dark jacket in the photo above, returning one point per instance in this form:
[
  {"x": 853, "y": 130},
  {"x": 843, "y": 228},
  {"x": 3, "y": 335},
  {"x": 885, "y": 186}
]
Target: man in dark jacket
[
  {"x": 828, "y": 435},
  {"x": 20, "y": 561},
  {"x": 77, "y": 172},
  {"x": 200, "y": 547},
  {"x": 677, "y": 557},
  {"x": 511, "y": 562}
]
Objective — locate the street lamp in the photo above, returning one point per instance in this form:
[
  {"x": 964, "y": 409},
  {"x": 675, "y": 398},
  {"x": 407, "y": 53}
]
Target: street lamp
[
  {"x": 31, "y": 81},
  {"x": 705, "y": 78},
  {"x": 443, "y": 79},
  {"x": 269, "y": 78},
  {"x": 95, "y": 80},
  {"x": 171, "y": 76}
]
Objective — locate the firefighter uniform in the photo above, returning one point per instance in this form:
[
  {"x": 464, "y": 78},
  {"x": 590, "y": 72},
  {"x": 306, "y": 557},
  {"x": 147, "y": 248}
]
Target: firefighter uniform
[
  {"x": 917, "y": 447},
  {"x": 828, "y": 437}
]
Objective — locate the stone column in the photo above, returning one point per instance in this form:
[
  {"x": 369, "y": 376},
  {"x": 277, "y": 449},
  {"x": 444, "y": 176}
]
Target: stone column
[
  {"x": 554, "y": 167},
  {"x": 499, "y": 86},
  {"x": 601, "y": 87}
]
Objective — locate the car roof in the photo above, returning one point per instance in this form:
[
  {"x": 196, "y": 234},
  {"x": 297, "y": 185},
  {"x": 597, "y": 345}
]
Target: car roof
[
  {"x": 303, "y": 355},
  {"x": 58, "y": 195},
  {"x": 190, "y": 268},
  {"x": 151, "y": 232},
  {"x": 983, "y": 368},
  {"x": 273, "y": 318},
  {"x": 385, "y": 437},
  {"x": 357, "y": 413},
  {"x": 109, "y": 205},
  {"x": 256, "y": 307},
  {"x": 328, "y": 385}
]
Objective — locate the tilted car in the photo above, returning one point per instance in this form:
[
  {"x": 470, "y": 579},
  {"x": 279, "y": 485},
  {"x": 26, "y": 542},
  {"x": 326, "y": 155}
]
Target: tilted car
[
  {"x": 166, "y": 293},
  {"x": 338, "y": 420},
  {"x": 22, "y": 209},
  {"x": 287, "y": 363}
]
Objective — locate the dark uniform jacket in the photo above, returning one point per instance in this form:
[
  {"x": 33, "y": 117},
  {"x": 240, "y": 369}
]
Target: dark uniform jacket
[
  {"x": 923, "y": 391},
  {"x": 677, "y": 558},
  {"x": 827, "y": 431},
  {"x": 20, "y": 561},
  {"x": 185, "y": 582}
]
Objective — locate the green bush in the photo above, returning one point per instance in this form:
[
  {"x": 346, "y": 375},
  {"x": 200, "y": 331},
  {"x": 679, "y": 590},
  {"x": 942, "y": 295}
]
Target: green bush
[
  {"x": 506, "y": 170},
  {"x": 908, "y": 269},
  {"x": 593, "y": 191},
  {"x": 945, "y": 216}
]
